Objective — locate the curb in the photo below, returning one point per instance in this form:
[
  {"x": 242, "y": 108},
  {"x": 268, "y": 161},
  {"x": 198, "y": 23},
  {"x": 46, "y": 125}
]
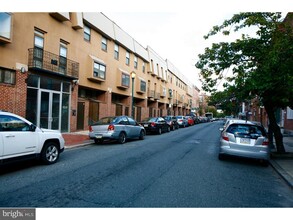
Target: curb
[
  {"x": 288, "y": 179},
  {"x": 78, "y": 145}
]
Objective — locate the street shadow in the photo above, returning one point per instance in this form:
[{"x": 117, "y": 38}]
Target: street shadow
[
  {"x": 244, "y": 161},
  {"x": 17, "y": 166},
  {"x": 115, "y": 142}
]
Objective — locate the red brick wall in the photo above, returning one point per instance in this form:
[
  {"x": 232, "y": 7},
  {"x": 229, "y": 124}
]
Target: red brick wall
[
  {"x": 13, "y": 97},
  {"x": 103, "y": 110},
  {"x": 288, "y": 121},
  {"x": 288, "y": 124},
  {"x": 74, "y": 101}
]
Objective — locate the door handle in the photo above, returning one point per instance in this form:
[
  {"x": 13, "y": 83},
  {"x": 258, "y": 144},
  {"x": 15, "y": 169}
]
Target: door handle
[{"x": 9, "y": 135}]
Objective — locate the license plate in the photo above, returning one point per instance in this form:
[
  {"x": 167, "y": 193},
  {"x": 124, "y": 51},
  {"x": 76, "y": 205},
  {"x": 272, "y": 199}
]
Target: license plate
[
  {"x": 99, "y": 136},
  {"x": 146, "y": 126},
  {"x": 244, "y": 140}
]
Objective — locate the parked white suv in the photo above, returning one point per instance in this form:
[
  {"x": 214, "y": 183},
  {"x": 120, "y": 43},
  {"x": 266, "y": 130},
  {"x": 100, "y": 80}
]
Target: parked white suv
[{"x": 20, "y": 139}]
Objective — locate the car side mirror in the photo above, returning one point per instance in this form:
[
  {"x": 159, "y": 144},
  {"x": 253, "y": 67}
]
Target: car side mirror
[
  {"x": 32, "y": 128},
  {"x": 221, "y": 129}
]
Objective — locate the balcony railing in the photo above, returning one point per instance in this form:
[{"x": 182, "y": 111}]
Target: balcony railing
[
  {"x": 175, "y": 102},
  {"x": 157, "y": 96},
  {"x": 151, "y": 93},
  {"x": 44, "y": 60}
]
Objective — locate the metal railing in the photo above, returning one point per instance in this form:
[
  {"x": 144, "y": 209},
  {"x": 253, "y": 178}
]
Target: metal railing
[
  {"x": 157, "y": 96},
  {"x": 151, "y": 93},
  {"x": 44, "y": 60}
]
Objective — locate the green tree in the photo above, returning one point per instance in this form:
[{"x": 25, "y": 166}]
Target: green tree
[
  {"x": 261, "y": 65},
  {"x": 226, "y": 101}
]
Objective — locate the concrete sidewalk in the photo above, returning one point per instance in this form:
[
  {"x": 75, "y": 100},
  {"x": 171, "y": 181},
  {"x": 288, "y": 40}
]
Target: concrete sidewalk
[
  {"x": 283, "y": 164},
  {"x": 77, "y": 139}
]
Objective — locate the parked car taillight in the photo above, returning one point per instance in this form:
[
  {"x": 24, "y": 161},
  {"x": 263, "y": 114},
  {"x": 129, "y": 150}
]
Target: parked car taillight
[
  {"x": 111, "y": 128},
  {"x": 265, "y": 142},
  {"x": 90, "y": 128},
  {"x": 153, "y": 124},
  {"x": 225, "y": 137}
]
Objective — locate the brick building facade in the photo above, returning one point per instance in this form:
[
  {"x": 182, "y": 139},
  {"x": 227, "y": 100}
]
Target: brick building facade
[{"x": 64, "y": 71}]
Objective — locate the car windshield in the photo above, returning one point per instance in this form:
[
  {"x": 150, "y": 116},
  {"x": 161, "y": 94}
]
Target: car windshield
[{"x": 106, "y": 120}]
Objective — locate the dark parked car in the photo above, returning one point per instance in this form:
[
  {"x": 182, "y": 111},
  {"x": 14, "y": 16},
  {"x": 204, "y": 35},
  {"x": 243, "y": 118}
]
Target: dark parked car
[
  {"x": 172, "y": 121},
  {"x": 118, "y": 128},
  {"x": 155, "y": 125}
]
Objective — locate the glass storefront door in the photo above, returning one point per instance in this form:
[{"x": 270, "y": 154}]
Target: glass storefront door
[
  {"x": 50, "y": 110},
  {"x": 48, "y": 103}
]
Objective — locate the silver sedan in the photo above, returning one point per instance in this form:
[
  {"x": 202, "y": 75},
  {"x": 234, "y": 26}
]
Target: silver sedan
[{"x": 118, "y": 128}]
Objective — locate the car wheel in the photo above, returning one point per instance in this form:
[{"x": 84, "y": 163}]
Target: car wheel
[
  {"x": 122, "y": 138},
  {"x": 221, "y": 156},
  {"x": 168, "y": 129},
  {"x": 141, "y": 135},
  {"x": 50, "y": 153},
  {"x": 98, "y": 141},
  {"x": 159, "y": 131},
  {"x": 264, "y": 163}
]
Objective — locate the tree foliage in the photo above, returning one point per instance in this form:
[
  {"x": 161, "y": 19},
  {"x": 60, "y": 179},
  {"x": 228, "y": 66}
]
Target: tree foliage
[
  {"x": 226, "y": 101},
  {"x": 261, "y": 65}
]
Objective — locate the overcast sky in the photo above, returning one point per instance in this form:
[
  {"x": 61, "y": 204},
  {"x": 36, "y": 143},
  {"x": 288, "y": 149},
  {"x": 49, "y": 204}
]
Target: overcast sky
[
  {"x": 173, "y": 28},
  {"x": 176, "y": 36}
]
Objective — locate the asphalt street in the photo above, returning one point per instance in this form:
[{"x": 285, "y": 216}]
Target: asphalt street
[{"x": 175, "y": 169}]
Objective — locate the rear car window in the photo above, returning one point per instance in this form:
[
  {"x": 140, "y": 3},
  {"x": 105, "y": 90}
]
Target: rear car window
[
  {"x": 246, "y": 129},
  {"x": 107, "y": 120}
]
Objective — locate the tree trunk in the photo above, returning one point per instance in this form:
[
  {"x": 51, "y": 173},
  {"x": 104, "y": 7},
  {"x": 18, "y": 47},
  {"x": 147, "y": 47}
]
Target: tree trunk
[
  {"x": 275, "y": 129},
  {"x": 271, "y": 137}
]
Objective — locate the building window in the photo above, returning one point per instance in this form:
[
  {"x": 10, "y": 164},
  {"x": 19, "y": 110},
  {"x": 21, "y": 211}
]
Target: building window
[
  {"x": 289, "y": 113},
  {"x": 99, "y": 71},
  {"x": 38, "y": 48},
  {"x": 5, "y": 25},
  {"x": 127, "y": 58},
  {"x": 142, "y": 86},
  {"x": 104, "y": 44},
  {"x": 135, "y": 62},
  {"x": 158, "y": 70},
  {"x": 7, "y": 76},
  {"x": 143, "y": 67},
  {"x": 164, "y": 91},
  {"x": 116, "y": 52},
  {"x": 125, "y": 80},
  {"x": 39, "y": 39},
  {"x": 87, "y": 33},
  {"x": 63, "y": 58}
]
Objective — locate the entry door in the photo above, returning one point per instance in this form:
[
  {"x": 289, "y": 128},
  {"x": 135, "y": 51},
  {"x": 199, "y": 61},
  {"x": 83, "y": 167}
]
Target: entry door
[
  {"x": 50, "y": 110},
  {"x": 80, "y": 116},
  {"x": 93, "y": 112}
]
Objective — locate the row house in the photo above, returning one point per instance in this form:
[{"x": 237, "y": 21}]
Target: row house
[
  {"x": 256, "y": 112},
  {"x": 64, "y": 71}
]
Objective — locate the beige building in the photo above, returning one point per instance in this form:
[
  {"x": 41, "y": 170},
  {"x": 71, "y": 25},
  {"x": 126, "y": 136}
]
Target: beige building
[{"x": 64, "y": 71}]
